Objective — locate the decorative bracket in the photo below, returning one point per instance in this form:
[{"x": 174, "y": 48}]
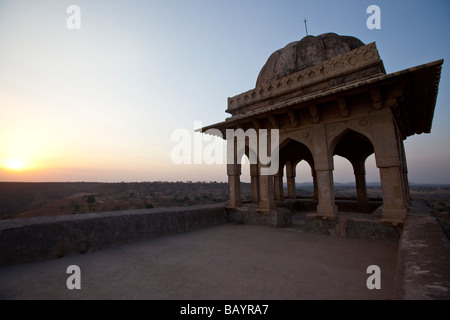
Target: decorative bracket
[
  {"x": 314, "y": 112},
  {"x": 375, "y": 96},
  {"x": 293, "y": 118},
  {"x": 394, "y": 96},
  {"x": 343, "y": 108}
]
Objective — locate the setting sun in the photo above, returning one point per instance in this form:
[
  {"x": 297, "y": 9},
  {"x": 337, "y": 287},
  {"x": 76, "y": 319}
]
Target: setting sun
[{"x": 14, "y": 164}]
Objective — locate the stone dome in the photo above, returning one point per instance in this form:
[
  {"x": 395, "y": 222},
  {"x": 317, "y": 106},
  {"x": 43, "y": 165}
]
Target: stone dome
[{"x": 307, "y": 52}]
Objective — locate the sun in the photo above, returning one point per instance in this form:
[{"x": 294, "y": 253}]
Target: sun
[{"x": 14, "y": 164}]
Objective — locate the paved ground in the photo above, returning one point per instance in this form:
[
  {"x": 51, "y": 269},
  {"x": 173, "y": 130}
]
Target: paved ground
[{"x": 223, "y": 262}]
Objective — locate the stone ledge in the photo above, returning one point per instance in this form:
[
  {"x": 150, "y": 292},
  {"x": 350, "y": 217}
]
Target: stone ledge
[
  {"x": 249, "y": 214},
  {"x": 33, "y": 239},
  {"x": 424, "y": 258},
  {"x": 352, "y": 226}
]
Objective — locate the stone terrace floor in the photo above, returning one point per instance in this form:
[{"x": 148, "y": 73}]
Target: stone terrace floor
[
  {"x": 224, "y": 262},
  {"x": 245, "y": 262}
]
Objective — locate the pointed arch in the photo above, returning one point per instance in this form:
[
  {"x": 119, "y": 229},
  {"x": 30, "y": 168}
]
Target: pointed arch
[{"x": 356, "y": 148}]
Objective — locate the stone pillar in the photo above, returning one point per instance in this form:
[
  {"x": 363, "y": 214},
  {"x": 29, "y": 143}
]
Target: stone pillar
[
  {"x": 266, "y": 183},
  {"x": 290, "y": 175},
  {"x": 405, "y": 174},
  {"x": 254, "y": 182},
  {"x": 234, "y": 173},
  {"x": 266, "y": 194},
  {"x": 323, "y": 165},
  {"x": 314, "y": 176},
  {"x": 388, "y": 159},
  {"x": 278, "y": 186},
  {"x": 326, "y": 208},
  {"x": 360, "y": 179},
  {"x": 394, "y": 209},
  {"x": 234, "y": 185}
]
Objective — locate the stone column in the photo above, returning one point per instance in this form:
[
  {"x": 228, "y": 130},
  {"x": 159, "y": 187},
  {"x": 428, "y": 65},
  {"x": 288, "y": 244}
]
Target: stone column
[
  {"x": 388, "y": 159},
  {"x": 405, "y": 174},
  {"x": 326, "y": 208},
  {"x": 254, "y": 182},
  {"x": 323, "y": 164},
  {"x": 360, "y": 179},
  {"x": 234, "y": 173},
  {"x": 290, "y": 175},
  {"x": 278, "y": 186},
  {"x": 266, "y": 183},
  {"x": 394, "y": 209},
  {"x": 266, "y": 194},
  {"x": 234, "y": 185},
  {"x": 314, "y": 176}
]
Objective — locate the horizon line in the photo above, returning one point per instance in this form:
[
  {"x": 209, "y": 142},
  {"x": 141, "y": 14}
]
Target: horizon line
[{"x": 213, "y": 181}]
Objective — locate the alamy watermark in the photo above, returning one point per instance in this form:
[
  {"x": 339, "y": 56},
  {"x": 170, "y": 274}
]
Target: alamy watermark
[
  {"x": 261, "y": 146},
  {"x": 374, "y": 20},
  {"x": 74, "y": 280},
  {"x": 374, "y": 280},
  {"x": 74, "y": 20}
]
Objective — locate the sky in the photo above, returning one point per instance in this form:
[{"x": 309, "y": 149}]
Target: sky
[{"x": 102, "y": 102}]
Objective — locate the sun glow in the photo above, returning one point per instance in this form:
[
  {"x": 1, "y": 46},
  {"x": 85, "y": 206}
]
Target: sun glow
[{"x": 14, "y": 164}]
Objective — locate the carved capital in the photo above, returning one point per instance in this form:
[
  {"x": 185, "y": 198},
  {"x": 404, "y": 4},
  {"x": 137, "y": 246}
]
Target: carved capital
[
  {"x": 293, "y": 118},
  {"x": 375, "y": 96},
  {"x": 314, "y": 112},
  {"x": 394, "y": 95},
  {"x": 343, "y": 108}
]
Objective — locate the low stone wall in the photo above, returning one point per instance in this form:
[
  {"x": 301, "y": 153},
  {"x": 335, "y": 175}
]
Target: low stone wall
[
  {"x": 352, "y": 226},
  {"x": 33, "y": 239},
  {"x": 249, "y": 214},
  {"x": 424, "y": 258}
]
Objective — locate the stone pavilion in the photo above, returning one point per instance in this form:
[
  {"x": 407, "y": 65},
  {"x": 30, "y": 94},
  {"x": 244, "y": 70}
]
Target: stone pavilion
[{"x": 330, "y": 95}]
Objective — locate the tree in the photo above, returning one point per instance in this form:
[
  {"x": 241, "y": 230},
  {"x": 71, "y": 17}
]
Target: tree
[{"x": 90, "y": 199}]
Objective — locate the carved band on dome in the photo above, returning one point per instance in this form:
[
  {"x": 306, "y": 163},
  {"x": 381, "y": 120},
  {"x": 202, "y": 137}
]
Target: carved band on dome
[{"x": 340, "y": 65}]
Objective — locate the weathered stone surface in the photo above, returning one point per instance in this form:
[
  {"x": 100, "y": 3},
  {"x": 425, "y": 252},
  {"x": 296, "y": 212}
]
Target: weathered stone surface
[
  {"x": 360, "y": 63},
  {"x": 326, "y": 96},
  {"x": 424, "y": 258},
  {"x": 308, "y": 52},
  {"x": 250, "y": 214},
  {"x": 352, "y": 227},
  {"x": 32, "y": 239}
]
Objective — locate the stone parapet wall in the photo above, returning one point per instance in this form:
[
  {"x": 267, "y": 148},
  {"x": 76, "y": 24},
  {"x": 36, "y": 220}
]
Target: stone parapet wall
[
  {"x": 352, "y": 227},
  {"x": 278, "y": 218},
  {"x": 33, "y": 239},
  {"x": 423, "y": 259}
]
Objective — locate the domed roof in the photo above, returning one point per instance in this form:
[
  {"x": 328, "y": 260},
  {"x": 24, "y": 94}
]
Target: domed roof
[{"x": 307, "y": 52}]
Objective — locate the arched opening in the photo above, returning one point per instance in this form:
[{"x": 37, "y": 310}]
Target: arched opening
[
  {"x": 350, "y": 152},
  {"x": 304, "y": 180},
  {"x": 373, "y": 180},
  {"x": 245, "y": 180},
  {"x": 294, "y": 180},
  {"x": 344, "y": 178}
]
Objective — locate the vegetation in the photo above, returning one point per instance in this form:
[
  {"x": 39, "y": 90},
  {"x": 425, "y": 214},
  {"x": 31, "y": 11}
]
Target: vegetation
[
  {"x": 101, "y": 197},
  {"x": 39, "y": 199}
]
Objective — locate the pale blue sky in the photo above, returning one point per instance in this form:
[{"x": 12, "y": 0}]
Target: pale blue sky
[{"x": 101, "y": 103}]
